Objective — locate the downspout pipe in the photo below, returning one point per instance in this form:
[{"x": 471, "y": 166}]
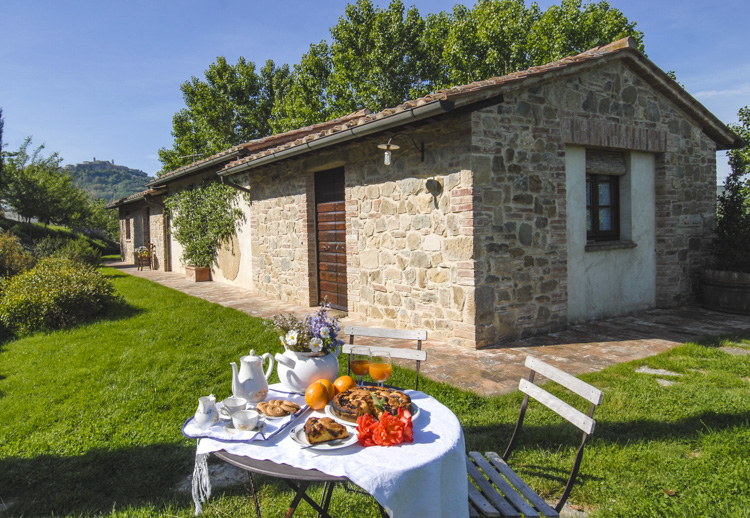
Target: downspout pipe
[{"x": 420, "y": 112}]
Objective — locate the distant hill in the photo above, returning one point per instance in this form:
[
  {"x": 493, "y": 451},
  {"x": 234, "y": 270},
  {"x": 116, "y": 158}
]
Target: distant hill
[{"x": 107, "y": 181}]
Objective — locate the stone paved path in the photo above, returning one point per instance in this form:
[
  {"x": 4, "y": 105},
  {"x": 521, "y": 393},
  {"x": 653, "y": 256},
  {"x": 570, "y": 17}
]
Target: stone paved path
[{"x": 578, "y": 349}]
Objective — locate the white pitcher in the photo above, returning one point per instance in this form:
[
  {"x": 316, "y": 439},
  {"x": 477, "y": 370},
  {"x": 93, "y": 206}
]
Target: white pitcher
[
  {"x": 251, "y": 382},
  {"x": 207, "y": 413}
]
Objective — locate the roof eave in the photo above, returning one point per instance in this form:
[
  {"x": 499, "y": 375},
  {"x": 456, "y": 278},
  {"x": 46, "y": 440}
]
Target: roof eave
[
  {"x": 368, "y": 128},
  {"x": 195, "y": 169}
]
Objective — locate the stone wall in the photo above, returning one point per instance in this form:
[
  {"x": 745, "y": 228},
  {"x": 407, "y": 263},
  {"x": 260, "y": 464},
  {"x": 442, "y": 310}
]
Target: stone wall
[
  {"x": 520, "y": 213},
  {"x": 158, "y": 239},
  {"x": 409, "y": 231},
  {"x": 410, "y": 236},
  {"x": 279, "y": 222}
]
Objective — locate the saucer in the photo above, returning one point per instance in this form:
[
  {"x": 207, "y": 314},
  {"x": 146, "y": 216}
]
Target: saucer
[{"x": 231, "y": 430}]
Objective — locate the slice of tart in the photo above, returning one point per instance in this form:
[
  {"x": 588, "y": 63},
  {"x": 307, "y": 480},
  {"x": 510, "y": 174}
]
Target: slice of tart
[{"x": 324, "y": 429}]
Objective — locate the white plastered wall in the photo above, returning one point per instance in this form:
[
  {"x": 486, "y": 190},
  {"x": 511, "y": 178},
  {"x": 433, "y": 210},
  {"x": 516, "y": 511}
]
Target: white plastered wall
[
  {"x": 244, "y": 277},
  {"x": 605, "y": 283}
]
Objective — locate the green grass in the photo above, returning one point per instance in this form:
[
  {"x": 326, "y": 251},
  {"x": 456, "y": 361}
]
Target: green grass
[{"x": 90, "y": 421}]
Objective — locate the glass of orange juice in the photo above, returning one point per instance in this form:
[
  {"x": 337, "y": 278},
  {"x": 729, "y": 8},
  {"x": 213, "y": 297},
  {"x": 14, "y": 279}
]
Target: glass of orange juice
[
  {"x": 359, "y": 362},
  {"x": 380, "y": 367}
]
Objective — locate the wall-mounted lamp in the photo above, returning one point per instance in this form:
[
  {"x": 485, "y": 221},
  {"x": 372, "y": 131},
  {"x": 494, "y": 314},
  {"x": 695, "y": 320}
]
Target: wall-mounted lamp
[{"x": 388, "y": 147}]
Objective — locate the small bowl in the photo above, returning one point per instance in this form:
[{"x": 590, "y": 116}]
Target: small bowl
[
  {"x": 233, "y": 404},
  {"x": 244, "y": 420}
]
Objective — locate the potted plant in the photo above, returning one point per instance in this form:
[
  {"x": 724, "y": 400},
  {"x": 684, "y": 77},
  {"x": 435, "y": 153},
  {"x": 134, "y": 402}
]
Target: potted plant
[
  {"x": 203, "y": 217},
  {"x": 311, "y": 348},
  {"x": 726, "y": 287}
]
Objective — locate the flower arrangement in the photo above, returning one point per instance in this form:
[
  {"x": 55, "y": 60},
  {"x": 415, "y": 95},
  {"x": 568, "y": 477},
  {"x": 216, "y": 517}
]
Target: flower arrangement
[
  {"x": 316, "y": 333},
  {"x": 143, "y": 252},
  {"x": 390, "y": 430}
]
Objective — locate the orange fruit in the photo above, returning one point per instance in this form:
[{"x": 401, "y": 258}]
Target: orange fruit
[
  {"x": 344, "y": 383},
  {"x": 329, "y": 386},
  {"x": 317, "y": 395}
]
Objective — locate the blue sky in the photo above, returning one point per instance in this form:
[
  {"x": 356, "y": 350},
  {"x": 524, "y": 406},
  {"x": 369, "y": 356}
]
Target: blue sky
[{"x": 101, "y": 79}]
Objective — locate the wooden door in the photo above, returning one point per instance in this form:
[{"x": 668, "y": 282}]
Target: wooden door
[{"x": 331, "y": 233}]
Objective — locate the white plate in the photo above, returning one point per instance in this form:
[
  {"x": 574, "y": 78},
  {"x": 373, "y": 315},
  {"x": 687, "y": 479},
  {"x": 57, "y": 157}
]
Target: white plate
[
  {"x": 274, "y": 418},
  {"x": 329, "y": 412},
  {"x": 298, "y": 435}
]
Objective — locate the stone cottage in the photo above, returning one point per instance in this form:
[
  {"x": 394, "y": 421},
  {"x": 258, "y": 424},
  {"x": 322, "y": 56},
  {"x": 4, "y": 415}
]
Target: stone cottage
[{"x": 581, "y": 189}]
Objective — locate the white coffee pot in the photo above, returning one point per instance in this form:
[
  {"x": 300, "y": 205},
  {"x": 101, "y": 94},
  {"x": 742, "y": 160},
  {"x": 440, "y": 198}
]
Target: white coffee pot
[{"x": 251, "y": 382}]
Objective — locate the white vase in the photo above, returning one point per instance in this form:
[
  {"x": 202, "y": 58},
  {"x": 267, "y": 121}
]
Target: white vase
[{"x": 298, "y": 370}]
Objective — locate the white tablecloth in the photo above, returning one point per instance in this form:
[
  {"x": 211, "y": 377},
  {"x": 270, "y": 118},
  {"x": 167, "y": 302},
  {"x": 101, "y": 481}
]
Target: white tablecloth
[{"x": 426, "y": 478}]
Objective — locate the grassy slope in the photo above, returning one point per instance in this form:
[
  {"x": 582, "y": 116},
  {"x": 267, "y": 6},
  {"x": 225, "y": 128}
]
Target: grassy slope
[{"x": 90, "y": 421}]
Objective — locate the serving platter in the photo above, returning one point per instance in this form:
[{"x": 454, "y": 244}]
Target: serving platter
[{"x": 298, "y": 435}]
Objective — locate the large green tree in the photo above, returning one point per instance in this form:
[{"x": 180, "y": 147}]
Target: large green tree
[
  {"x": 231, "y": 106},
  {"x": 731, "y": 246},
  {"x": 36, "y": 187},
  {"x": 380, "y": 57}
]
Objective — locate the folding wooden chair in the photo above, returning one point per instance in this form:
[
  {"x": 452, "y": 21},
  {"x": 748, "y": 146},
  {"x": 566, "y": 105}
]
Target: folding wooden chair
[
  {"x": 501, "y": 491},
  {"x": 417, "y": 355}
]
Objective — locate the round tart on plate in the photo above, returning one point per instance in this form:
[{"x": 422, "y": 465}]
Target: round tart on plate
[{"x": 356, "y": 402}]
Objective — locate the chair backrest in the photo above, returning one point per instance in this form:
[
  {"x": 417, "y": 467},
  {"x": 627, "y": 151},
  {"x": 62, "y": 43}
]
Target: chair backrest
[
  {"x": 373, "y": 333},
  {"x": 584, "y": 422}
]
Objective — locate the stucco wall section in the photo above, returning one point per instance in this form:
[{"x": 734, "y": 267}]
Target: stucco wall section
[{"x": 611, "y": 282}]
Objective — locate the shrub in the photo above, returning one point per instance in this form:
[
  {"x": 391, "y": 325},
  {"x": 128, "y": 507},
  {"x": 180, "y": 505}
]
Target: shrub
[
  {"x": 80, "y": 251},
  {"x": 55, "y": 294},
  {"x": 77, "y": 250},
  {"x": 48, "y": 246},
  {"x": 13, "y": 257}
]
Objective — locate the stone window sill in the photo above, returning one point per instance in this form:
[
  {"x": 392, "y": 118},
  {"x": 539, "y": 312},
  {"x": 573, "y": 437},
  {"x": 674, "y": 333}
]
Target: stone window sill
[{"x": 596, "y": 246}]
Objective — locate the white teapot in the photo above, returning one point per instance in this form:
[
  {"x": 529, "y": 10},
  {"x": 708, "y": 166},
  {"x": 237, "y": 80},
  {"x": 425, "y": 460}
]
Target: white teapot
[{"x": 251, "y": 382}]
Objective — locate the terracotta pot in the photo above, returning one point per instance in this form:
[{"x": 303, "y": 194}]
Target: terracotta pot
[
  {"x": 726, "y": 291},
  {"x": 198, "y": 273}
]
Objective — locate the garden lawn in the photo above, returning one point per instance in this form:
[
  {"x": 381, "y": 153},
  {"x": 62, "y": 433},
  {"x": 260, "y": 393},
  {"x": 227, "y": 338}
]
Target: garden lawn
[{"x": 90, "y": 421}]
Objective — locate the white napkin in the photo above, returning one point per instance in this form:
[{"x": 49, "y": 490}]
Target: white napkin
[{"x": 272, "y": 426}]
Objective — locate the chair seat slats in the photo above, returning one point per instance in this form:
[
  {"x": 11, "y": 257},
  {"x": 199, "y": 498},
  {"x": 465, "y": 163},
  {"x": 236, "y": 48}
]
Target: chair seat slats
[
  {"x": 505, "y": 489},
  {"x": 522, "y": 487},
  {"x": 483, "y": 507},
  {"x": 473, "y": 513},
  {"x": 557, "y": 405},
  {"x": 489, "y": 492}
]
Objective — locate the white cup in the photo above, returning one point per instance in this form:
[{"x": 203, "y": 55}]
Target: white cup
[
  {"x": 244, "y": 420},
  {"x": 233, "y": 404}
]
